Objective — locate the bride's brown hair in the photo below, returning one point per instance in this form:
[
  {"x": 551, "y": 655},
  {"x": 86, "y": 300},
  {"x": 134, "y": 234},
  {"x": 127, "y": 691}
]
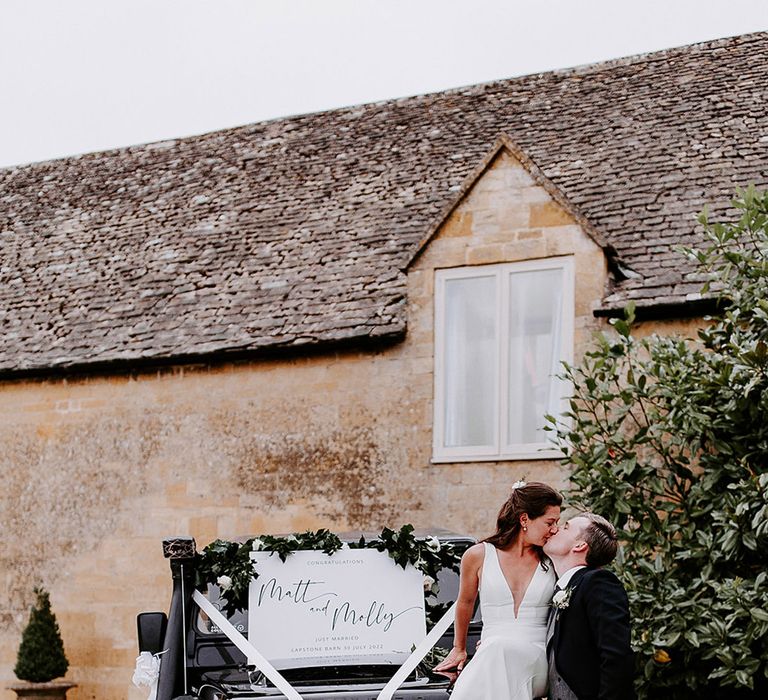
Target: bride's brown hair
[{"x": 533, "y": 499}]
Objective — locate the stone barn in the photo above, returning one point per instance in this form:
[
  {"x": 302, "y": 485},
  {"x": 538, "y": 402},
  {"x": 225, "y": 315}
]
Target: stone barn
[{"x": 347, "y": 319}]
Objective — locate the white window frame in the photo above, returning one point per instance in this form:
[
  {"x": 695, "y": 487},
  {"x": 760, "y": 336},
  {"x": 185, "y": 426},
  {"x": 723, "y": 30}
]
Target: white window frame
[{"x": 499, "y": 451}]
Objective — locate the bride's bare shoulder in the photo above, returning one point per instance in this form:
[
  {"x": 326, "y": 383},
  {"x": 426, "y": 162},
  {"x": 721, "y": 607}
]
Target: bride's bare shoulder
[{"x": 475, "y": 554}]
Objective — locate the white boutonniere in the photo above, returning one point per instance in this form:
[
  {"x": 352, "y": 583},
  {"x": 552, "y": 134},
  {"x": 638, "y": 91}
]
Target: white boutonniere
[{"x": 562, "y": 599}]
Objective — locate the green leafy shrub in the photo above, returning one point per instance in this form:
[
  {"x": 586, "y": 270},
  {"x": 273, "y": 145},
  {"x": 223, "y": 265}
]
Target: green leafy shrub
[
  {"x": 41, "y": 655},
  {"x": 668, "y": 438}
]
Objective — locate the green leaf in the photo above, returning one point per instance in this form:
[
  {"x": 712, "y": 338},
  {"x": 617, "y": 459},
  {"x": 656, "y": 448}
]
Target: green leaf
[{"x": 622, "y": 327}]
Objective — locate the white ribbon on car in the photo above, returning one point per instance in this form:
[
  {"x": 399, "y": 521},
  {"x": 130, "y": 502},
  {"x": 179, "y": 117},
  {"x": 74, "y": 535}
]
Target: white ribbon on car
[
  {"x": 147, "y": 672},
  {"x": 417, "y": 655},
  {"x": 246, "y": 647},
  {"x": 387, "y": 692}
]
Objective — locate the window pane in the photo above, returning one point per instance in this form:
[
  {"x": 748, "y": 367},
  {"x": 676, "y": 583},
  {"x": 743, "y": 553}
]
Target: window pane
[
  {"x": 535, "y": 304},
  {"x": 470, "y": 379}
]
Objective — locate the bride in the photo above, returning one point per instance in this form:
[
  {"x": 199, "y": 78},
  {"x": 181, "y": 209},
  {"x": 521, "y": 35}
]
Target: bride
[{"x": 516, "y": 582}]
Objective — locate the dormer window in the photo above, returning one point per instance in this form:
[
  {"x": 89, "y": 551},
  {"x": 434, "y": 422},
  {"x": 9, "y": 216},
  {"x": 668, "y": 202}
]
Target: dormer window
[{"x": 501, "y": 333}]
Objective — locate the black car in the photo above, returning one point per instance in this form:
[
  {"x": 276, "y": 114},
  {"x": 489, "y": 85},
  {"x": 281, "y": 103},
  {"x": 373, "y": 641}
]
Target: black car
[{"x": 198, "y": 661}]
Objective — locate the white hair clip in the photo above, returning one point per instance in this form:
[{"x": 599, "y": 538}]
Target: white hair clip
[{"x": 518, "y": 484}]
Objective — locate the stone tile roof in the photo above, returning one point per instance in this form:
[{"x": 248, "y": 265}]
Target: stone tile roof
[{"x": 295, "y": 232}]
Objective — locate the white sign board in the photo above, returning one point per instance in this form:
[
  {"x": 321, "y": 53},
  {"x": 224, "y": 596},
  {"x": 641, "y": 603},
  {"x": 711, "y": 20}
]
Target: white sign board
[{"x": 316, "y": 609}]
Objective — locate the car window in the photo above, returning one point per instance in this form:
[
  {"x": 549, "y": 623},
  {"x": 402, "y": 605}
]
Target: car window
[
  {"x": 449, "y": 588},
  {"x": 204, "y": 624}
]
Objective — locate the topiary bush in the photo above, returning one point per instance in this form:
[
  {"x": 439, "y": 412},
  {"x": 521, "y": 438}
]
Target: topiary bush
[
  {"x": 668, "y": 438},
  {"x": 41, "y": 655}
]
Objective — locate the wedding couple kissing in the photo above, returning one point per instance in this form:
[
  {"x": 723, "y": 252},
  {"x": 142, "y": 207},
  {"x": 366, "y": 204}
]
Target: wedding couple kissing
[{"x": 555, "y": 622}]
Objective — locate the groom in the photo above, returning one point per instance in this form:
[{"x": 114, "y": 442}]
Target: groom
[{"x": 588, "y": 635}]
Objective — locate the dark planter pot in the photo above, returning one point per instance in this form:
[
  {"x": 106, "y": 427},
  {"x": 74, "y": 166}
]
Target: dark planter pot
[{"x": 54, "y": 690}]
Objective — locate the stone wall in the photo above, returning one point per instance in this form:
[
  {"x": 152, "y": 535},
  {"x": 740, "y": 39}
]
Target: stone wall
[{"x": 98, "y": 471}]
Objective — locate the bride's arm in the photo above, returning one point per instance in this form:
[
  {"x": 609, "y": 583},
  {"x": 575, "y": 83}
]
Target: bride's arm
[{"x": 469, "y": 580}]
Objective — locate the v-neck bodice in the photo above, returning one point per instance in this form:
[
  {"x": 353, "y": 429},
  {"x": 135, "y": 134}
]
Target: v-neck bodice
[
  {"x": 497, "y": 602},
  {"x": 511, "y": 662}
]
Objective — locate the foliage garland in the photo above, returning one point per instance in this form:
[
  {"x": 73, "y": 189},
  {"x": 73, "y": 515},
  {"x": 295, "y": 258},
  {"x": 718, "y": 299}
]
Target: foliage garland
[{"x": 228, "y": 564}]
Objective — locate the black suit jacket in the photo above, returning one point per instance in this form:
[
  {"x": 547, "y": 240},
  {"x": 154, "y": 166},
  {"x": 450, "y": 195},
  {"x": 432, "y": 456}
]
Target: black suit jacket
[{"x": 592, "y": 638}]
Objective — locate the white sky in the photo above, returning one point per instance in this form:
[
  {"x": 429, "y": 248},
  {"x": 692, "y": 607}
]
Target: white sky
[{"x": 86, "y": 75}]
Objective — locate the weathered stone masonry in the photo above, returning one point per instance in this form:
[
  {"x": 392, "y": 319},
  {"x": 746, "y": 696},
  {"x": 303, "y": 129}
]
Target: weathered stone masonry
[{"x": 233, "y": 333}]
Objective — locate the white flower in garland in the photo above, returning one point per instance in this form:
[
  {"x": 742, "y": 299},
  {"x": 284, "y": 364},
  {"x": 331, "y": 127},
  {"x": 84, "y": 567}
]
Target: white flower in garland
[
  {"x": 433, "y": 544},
  {"x": 224, "y": 582},
  {"x": 258, "y": 544},
  {"x": 428, "y": 583}
]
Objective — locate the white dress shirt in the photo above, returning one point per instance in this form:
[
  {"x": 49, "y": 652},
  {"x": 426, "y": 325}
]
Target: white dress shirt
[{"x": 565, "y": 579}]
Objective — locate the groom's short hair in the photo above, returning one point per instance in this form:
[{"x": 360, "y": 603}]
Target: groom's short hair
[{"x": 601, "y": 539}]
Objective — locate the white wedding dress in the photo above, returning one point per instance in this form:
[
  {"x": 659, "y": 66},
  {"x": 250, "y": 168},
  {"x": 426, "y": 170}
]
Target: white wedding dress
[{"x": 511, "y": 663}]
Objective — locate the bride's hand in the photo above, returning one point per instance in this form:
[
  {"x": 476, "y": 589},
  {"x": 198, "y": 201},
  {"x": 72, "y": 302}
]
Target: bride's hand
[{"x": 455, "y": 660}]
